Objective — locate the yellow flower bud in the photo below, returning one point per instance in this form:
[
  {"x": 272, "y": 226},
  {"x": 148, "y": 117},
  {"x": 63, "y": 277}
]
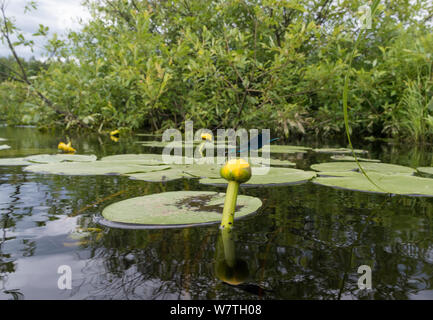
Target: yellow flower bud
[
  {"x": 206, "y": 136},
  {"x": 115, "y": 133},
  {"x": 66, "y": 147},
  {"x": 237, "y": 170}
]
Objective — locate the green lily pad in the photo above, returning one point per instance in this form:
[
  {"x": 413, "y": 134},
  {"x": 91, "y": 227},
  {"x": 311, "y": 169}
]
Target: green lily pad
[
  {"x": 144, "y": 158},
  {"x": 4, "y": 147},
  {"x": 394, "y": 184},
  {"x": 350, "y": 158},
  {"x": 178, "y": 209},
  {"x": 384, "y": 168},
  {"x": 337, "y": 173},
  {"x": 426, "y": 170},
  {"x": 160, "y": 144},
  {"x": 270, "y": 161},
  {"x": 14, "y": 162},
  {"x": 338, "y": 150},
  {"x": 179, "y": 172},
  {"x": 201, "y": 171},
  {"x": 275, "y": 148},
  {"x": 91, "y": 168},
  {"x": 275, "y": 176},
  {"x": 55, "y": 158},
  {"x": 158, "y": 176}
]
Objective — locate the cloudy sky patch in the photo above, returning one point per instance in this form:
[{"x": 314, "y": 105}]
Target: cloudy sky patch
[{"x": 59, "y": 15}]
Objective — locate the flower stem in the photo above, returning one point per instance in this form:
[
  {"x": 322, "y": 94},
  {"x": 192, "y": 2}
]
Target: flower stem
[
  {"x": 229, "y": 246},
  {"x": 230, "y": 205}
]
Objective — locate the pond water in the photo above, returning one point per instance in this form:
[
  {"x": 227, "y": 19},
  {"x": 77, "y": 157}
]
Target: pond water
[{"x": 306, "y": 242}]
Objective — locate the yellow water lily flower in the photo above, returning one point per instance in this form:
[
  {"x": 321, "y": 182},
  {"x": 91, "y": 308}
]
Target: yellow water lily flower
[
  {"x": 237, "y": 170},
  {"x": 67, "y": 148},
  {"x": 114, "y": 138},
  {"x": 206, "y": 136},
  {"x": 115, "y": 133}
]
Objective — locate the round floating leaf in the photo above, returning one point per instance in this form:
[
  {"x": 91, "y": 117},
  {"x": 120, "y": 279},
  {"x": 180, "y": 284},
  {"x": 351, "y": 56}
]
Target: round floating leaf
[
  {"x": 91, "y": 168},
  {"x": 394, "y": 184},
  {"x": 350, "y": 158},
  {"x": 275, "y": 176},
  {"x": 160, "y": 144},
  {"x": 178, "y": 208},
  {"x": 54, "y": 158},
  {"x": 270, "y": 161},
  {"x": 384, "y": 168},
  {"x": 275, "y": 148},
  {"x": 201, "y": 170},
  {"x": 337, "y": 173},
  {"x": 4, "y": 147},
  {"x": 158, "y": 176},
  {"x": 14, "y": 162},
  {"x": 339, "y": 150},
  {"x": 426, "y": 170},
  {"x": 144, "y": 158}
]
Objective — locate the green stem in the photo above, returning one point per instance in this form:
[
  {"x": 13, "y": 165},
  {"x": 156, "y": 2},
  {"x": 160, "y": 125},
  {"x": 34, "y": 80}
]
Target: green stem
[
  {"x": 229, "y": 246},
  {"x": 230, "y": 205}
]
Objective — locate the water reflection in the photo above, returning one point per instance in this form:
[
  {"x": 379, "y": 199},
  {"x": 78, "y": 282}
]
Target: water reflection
[
  {"x": 228, "y": 268},
  {"x": 307, "y": 242}
]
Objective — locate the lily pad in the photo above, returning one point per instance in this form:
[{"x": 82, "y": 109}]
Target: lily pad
[
  {"x": 143, "y": 158},
  {"x": 201, "y": 170},
  {"x": 177, "y": 209},
  {"x": 160, "y": 144},
  {"x": 4, "y": 147},
  {"x": 158, "y": 176},
  {"x": 91, "y": 168},
  {"x": 350, "y": 158},
  {"x": 394, "y": 184},
  {"x": 271, "y": 161},
  {"x": 275, "y": 148},
  {"x": 384, "y": 168},
  {"x": 14, "y": 162},
  {"x": 337, "y": 173},
  {"x": 275, "y": 176},
  {"x": 426, "y": 170},
  {"x": 339, "y": 150},
  {"x": 55, "y": 158}
]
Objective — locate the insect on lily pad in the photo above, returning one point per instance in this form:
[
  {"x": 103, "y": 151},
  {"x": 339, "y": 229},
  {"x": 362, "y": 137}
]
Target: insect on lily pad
[{"x": 174, "y": 209}]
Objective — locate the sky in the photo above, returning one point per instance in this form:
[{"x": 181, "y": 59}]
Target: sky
[{"x": 58, "y": 15}]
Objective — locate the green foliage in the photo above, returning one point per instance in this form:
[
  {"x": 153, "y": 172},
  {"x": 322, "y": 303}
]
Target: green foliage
[{"x": 235, "y": 63}]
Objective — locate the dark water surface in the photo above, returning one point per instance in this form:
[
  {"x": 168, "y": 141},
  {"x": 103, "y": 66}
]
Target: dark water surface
[{"x": 306, "y": 242}]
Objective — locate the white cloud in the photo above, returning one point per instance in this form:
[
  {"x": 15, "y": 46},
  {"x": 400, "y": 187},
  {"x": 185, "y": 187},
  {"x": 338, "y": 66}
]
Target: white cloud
[{"x": 59, "y": 15}]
